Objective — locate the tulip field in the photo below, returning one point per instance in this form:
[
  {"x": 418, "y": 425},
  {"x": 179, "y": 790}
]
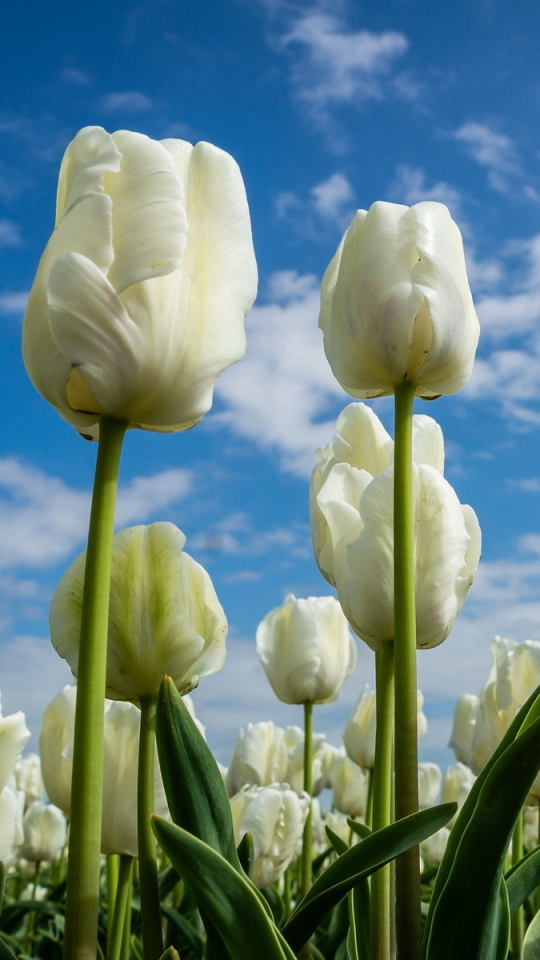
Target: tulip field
[{"x": 125, "y": 839}]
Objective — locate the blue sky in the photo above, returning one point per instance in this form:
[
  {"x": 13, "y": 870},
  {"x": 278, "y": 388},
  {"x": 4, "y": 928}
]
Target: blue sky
[{"x": 327, "y": 107}]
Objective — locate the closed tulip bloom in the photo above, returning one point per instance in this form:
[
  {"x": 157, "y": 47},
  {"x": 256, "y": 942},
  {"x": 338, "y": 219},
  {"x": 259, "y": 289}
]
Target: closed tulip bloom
[
  {"x": 461, "y": 740},
  {"x": 396, "y": 303},
  {"x": 361, "y": 728},
  {"x": 140, "y": 296},
  {"x": 432, "y": 848},
  {"x": 260, "y": 757},
  {"x": 306, "y": 649},
  {"x": 354, "y": 509},
  {"x": 164, "y": 615},
  {"x": 45, "y": 832},
  {"x": 11, "y": 823},
  {"x": 350, "y": 787},
  {"x": 56, "y": 734},
  {"x": 28, "y": 778},
  {"x": 275, "y": 816},
  {"x": 429, "y": 784},
  {"x": 321, "y": 761},
  {"x": 456, "y": 786},
  {"x": 14, "y": 735}
]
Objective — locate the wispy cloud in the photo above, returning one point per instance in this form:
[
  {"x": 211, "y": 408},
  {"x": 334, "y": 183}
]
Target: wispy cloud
[
  {"x": 330, "y": 202},
  {"x": 76, "y": 77},
  {"x": 10, "y": 235},
  {"x": 412, "y": 186},
  {"x": 494, "y": 151},
  {"x": 13, "y": 302},
  {"x": 128, "y": 101}
]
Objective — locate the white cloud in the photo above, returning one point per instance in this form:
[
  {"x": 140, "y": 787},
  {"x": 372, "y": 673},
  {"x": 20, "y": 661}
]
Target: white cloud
[
  {"x": 278, "y": 393},
  {"x": 410, "y": 186},
  {"x": 332, "y": 199},
  {"x": 9, "y": 234},
  {"x": 31, "y": 675},
  {"x": 235, "y": 535},
  {"x": 129, "y": 101},
  {"x": 492, "y": 150},
  {"x": 43, "y": 519},
  {"x": 13, "y": 302},
  {"x": 75, "y": 76}
]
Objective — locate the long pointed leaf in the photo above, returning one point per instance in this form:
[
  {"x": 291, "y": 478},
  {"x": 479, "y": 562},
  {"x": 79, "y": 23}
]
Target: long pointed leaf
[
  {"x": 523, "y": 879},
  {"x": 224, "y": 894},
  {"x": 471, "y": 893},
  {"x": 360, "y": 861},
  {"x": 531, "y": 943}
]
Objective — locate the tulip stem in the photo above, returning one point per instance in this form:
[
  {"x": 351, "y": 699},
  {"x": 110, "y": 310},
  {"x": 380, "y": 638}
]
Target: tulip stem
[
  {"x": 84, "y": 845},
  {"x": 408, "y": 917},
  {"x": 113, "y": 863},
  {"x": 382, "y": 774},
  {"x": 308, "y": 788},
  {"x": 148, "y": 873},
  {"x": 518, "y": 918},
  {"x": 123, "y": 893}
]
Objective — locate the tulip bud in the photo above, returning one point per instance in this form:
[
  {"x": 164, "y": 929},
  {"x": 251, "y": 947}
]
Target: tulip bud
[
  {"x": 350, "y": 788},
  {"x": 164, "y": 615},
  {"x": 140, "y": 296},
  {"x": 429, "y": 784},
  {"x": 352, "y": 518},
  {"x": 28, "y": 778},
  {"x": 360, "y": 731},
  {"x": 306, "y": 649},
  {"x": 275, "y": 816},
  {"x": 396, "y": 303},
  {"x": 465, "y": 712},
  {"x": 45, "y": 832}
]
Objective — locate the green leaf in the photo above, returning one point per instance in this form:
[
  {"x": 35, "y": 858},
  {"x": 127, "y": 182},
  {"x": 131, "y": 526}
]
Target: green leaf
[
  {"x": 523, "y": 879},
  {"x": 531, "y": 942},
  {"x": 224, "y": 894},
  {"x": 360, "y": 861},
  {"x": 194, "y": 786},
  {"x": 5, "y": 952},
  {"x": 245, "y": 854},
  {"x": 192, "y": 937},
  {"x": 360, "y": 829},
  {"x": 338, "y": 844},
  {"x": 359, "y": 907},
  {"x": 170, "y": 954},
  {"x": 473, "y": 894}
]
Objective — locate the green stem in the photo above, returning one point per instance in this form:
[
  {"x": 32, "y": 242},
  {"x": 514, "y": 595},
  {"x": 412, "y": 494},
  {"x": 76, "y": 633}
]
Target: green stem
[
  {"x": 381, "y": 881},
  {"x": 113, "y": 861},
  {"x": 87, "y": 780},
  {"x": 406, "y": 735},
  {"x": 30, "y": 933},
  {"x": 518, "y": 919},
  {"x": 369, "y": 801},
  {"x": 308, "y": 788},
  {"x": 148, "y": 874},
  {"x": 123, "y": 896}
]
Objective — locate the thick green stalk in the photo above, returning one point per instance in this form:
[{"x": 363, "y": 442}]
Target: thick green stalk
[
  {"x": 115, "y": 938},
  {"x": 382, "y": 776},
  {"x": 408, "y": 925},
  {"x": 518, "y": 919},
  {"x": 87, "y": 781},
  {"x": 148, "y": 873},
  {"x": 308, "y": 788},
  {"x": 113, "y": 864}
]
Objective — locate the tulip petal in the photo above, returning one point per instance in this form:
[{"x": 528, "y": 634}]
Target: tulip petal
[
  {"x": 149, "y": 222},
  {"x": 338, "y": 501},
  {"x": 472, "y": 554},
  {"x": 14, "y": 735},
  {"x": 90, "y": 155},
  {"x": 428, "y": 442}
]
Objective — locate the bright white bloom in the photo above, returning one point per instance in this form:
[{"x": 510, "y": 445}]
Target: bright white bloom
[
  {"x": 28, "y": 777},
  {"x": 350, "y": 788},
  {"x": 164, "y": 615},
  {"x": 140, "y": 296},
  {"x": 45, "y": 832},
  {"x": 11, "y": 823},
  {"x": 432, "y": 848},
  {"x": 429, "y": 784},
  {"x": 456, "y": 786},
  {"x": 265, "y": 754},
  {"x": 14, "y": 735},
  {"x": 360, "y": 731},
  {"x": 481, "y": 722},
  {"x": 56, "y": 734},
  {"x": 396, "y": 303},
  {"x": 306, "y": 649},
  {"x": 275, "y": 816},
  {"x": 352, "y": 491}
]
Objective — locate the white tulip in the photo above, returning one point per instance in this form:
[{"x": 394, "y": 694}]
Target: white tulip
[
  {"x": 396, "y": 303},
  {"x": 361, "y": 728},
  {"x": 306, "y": 649},
  {"x": 531, "y": 834},
  {"x": 350, "y": 788},
  {"x": 57, "y": 725},
  {"x": 45, "y": 832},
  {"x": 352, "y": 523},
  {"x": 140, "y": 296},
  {"x": 11, "y": 823},
  {"x": 275, "y": 816},
  {"x": 28, "y": 777},
  {"x": 456, "y": 786},
  {"x": 294, "y": 775},
  {"x": 260, "y": 757},
  {"x": 429, "y": 784},
  {"x": 433, "y": 847},
  {"x": 164, "y": 615},
  {"x": 14, "y": 735}
]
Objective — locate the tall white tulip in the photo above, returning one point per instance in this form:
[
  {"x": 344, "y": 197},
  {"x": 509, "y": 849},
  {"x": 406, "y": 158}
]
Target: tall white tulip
[
  {"x": 56, "y": 734},
  {"x": 361, "y": 728},
  {"x": 352, "y": 523},
  {"x": 350, "y": 788},
  {"x": 456, "y": 786},
  {"x": 275, "y": 816},
  {"x": 28, "y": 777},
  {"x": 140, "y": 296},
  {"x": 265, "y": 754},
  {"x": 164, "y": 615},
  {"x": 429, "y": 784},
  {"x": 306, "y": 649},
  {"x": 45, "y": 832},
  {"x": 396, "y": 303}
]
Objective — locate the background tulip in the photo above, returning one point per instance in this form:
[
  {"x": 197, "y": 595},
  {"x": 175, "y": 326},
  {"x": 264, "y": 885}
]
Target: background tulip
[
  {"x": 265, "y": 754},
  {"x": 28, "y": 778},
  {"x": 56, "y": 734},
  {"x": 306, "y": 649},
  {"x": 140, "y": 296},
  {"x": 14, "y": 735},
  {"x": 11, "y": 820},
  {"x": 361, "y": 728},
  {"x": 350, "y": 787},
  {"x": 396, "y": 303},
  {"x": 456, "y": 785},
  {"x": 429, "y": 784},
  {"x": 275, "y": 817},
  {"x": 352, "y": 519},
  {"x": 164, "y": 615},
  {"x": 432, "y": 849},
  {"x": 45, "y": 831}
]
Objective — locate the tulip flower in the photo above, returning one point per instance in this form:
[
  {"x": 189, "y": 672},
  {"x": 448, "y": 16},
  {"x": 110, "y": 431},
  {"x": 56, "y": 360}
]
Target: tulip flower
[
  {"x": 350, "y": 787},
  {"x": 56, "y": 734},
  {"x": 456, "y": 786},
  {"x": 11, "y": 820},
  {"x": 140, "y": 296},
  {"x": 429, "y": 784},
  {"x": 306, "y": 649},
  {"x": 28, "y": 778},
  {"x": 361, "y": 728},
  {"x": 352, "y": 524},
  {"x": 274, "y": 815},
  {"x": 432, "y": 848},
  {"x": 164, "y": 615},
  {"x": 396, "y": 303},
  {"x": 45, "y": 832},
  {"x": 14, "y": 735},
  {"x": 260, "y": 757}
]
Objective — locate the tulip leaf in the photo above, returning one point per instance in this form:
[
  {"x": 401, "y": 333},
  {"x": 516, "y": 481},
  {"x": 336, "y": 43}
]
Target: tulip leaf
[
  {"x": 338, "y": 844},
  {"x": 195, "y": 791},
  {"x": 5, "y": 952},
  {"x": 473, "y": 895},
  {"x": 193, "y": 939},
  {"x": 523, "y": 879},
  {"x": 245, "y": 854},
  {"x": 531, "y": 942},
  {"x": 229, "y": 899},
  {"x": 358, "y": 862},
  {"x": 361, "y": 829}
]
